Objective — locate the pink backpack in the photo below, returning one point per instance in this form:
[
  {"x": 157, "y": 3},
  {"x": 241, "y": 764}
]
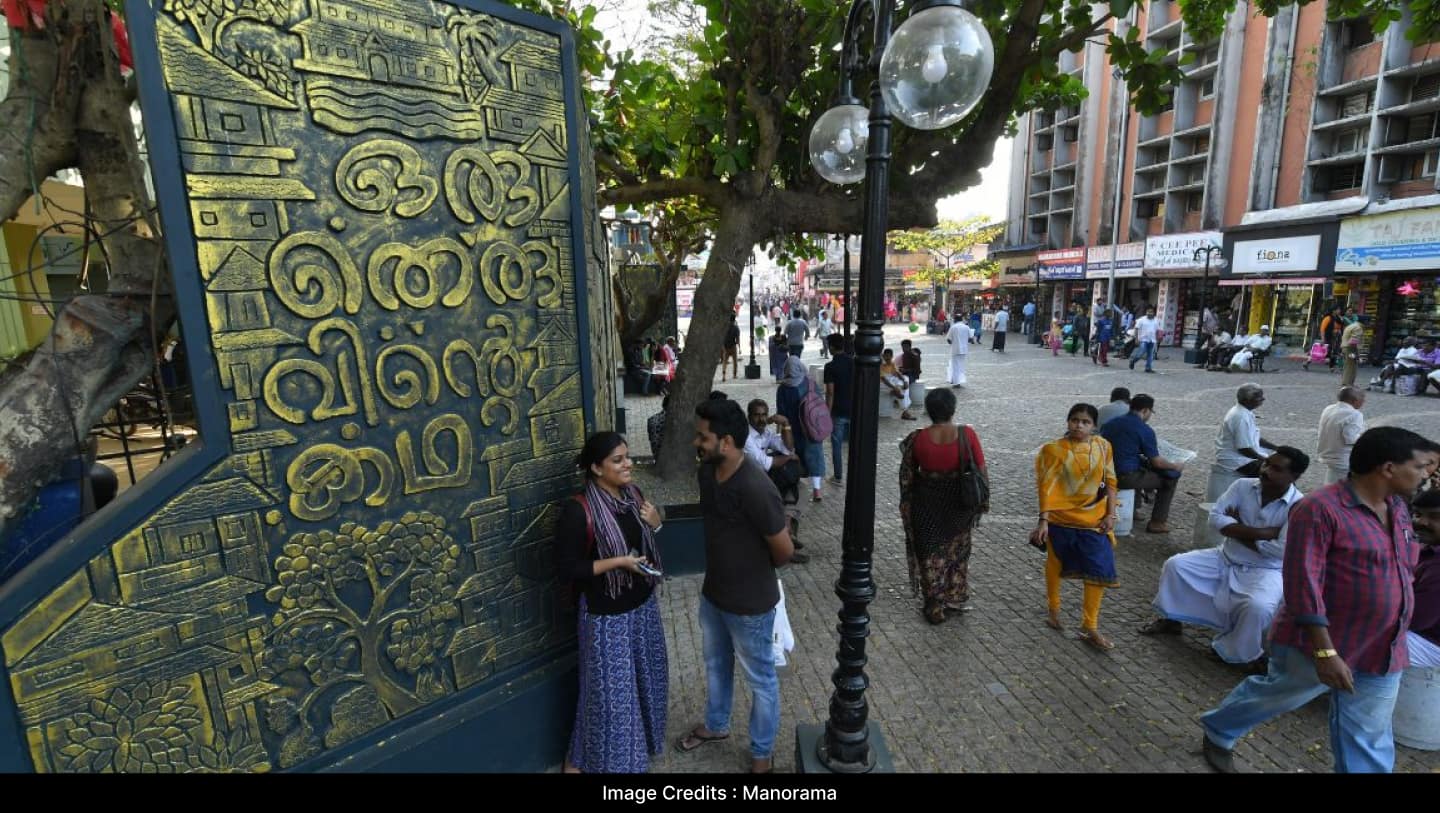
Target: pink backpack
[
  {"x": 1318, "y": 352},
  {"x": 815, "y": 415}
]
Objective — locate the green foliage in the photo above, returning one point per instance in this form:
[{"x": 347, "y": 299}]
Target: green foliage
[{"x": 947, "y": 241}]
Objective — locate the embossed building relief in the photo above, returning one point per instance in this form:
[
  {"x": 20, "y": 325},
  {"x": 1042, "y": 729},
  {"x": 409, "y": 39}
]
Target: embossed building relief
[{"x": 376, "y": 221}]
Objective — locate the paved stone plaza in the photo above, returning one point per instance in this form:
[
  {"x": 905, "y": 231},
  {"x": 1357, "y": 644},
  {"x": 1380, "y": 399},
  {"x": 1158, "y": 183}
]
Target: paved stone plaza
[{"x": 994, "y": 689}]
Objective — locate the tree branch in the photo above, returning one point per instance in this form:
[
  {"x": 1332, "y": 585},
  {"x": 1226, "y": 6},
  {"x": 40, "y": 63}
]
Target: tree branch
[
  {"x": 622, "y": 173},
  {"x": 711, "y": 191}
]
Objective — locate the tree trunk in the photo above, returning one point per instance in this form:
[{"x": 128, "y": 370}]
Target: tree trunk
[
  {"x": 735, "y": 238},
  {"x": 100, "y": 345},
  {"x": 636, "y": 314}
]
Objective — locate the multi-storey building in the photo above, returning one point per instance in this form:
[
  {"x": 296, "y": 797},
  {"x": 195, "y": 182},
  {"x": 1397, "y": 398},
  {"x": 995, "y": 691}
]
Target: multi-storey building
[{"x": 1306, "y": 149}]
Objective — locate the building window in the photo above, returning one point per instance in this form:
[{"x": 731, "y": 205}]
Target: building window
[
  {"x": 1356, "y": 33},
  {"x": 1355, "y": 140},
  {"x": 323, "y": 49},
  {"x": 342, "y": 53},
  {"x": 1207, "y": 87},
  {"x": 1356, "y": 104},
  {"x": 429, "y": 71},
  {"x": 1425, "y": 87},
  {"x": 1346, "y": 177},
  {"x": 1169, "y": 103},
  {"x": 1419, "y": 167},
  {"x": 231, "y": 123},
  {"x": 1170, "y": 45},
  {"x": 1420, "y": 128},
  {"x": 1209, "y": 56},
  {"x": 350, "y": 15},
  {"x": 1194, "y": 201},
  {"x": 1195, "y": 173},
  {"x": 1200, "y": 145}
]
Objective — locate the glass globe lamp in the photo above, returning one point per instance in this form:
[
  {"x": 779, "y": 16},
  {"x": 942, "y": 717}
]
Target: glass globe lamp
[
  {"x": 838, "y": 141},
  {"x": 936, "y": 67}
]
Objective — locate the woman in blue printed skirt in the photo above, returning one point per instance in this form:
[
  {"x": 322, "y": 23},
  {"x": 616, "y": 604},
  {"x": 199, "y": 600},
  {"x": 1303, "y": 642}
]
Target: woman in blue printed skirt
[{"x": 605, "y": 546}]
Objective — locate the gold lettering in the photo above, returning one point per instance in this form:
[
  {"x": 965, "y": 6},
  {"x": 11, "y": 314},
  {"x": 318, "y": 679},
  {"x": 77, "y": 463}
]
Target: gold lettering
[
  {"x": 376, "y": 174},
  {"x": 311, "y": 290},
  {"x": 408, "y": 381},
  {"x": 322, "y": 478},
  {"x": 438, "y": 474},
  {"x": 462, "y": 347},
  {"x": 425, "y": 263}
]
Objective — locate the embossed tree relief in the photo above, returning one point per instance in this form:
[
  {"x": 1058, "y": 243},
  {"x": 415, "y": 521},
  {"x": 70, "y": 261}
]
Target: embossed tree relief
[{"x": 365, "y": 617}]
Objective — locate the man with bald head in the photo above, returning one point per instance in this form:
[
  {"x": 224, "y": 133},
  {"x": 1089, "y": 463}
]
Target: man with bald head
[
  {"x": 1341, "y": 424},
  {"x": 1238, "y": 446}
]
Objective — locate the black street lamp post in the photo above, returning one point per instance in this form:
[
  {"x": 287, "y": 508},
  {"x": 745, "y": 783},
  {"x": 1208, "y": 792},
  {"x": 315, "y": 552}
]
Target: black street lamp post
[
  {"x": 1206, "y": 254},
  {"x": 930, "y": 74},
  {"x": 849, "y": 301}
]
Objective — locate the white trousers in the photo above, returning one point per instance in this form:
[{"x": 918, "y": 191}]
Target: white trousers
[
  {"x": 1334, "y": 475},
  {"x": 1204, "y": 588},
  {"x": 957, "y": 369},
  {"x": 1422, "y": 652}
]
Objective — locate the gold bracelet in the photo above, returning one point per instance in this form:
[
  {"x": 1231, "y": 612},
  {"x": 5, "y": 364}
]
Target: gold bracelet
[{"x": 1325, "y": 653}]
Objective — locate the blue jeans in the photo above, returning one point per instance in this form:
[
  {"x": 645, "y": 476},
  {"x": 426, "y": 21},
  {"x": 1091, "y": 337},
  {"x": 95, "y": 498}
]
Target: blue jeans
[
  {"x": 726, "y": 635},
  {"x": 838, "y": 436},
  {"x": 1360, "y": 734},
  {"x": 1145, "y": 350}
]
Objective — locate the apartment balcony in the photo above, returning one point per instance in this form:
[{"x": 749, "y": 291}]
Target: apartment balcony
[
  {"x": 1354, "y": 157},
  {"x": 1360, "y": 85},
  {"x": 1193, "y": 158},
  {"x": 1155, "y": 194},
  {"x": 1067, "y": 165},
  {"x": 1193, "y": 130},
  {"x": 1154, "y": 141},
  {"x": 1166, "y": 31},
  {"x": 1191, "y": 186},
  {"x": 1413, "y": 108},
  {"x": 1201, "y": 71},
  {"x": 1060, "y": 190},
  {"x": 1417, "y": 69},
  {"x": 1342, "y": 124},
  {"x": 1043, "y": 193},
  {"x": 1410, "y": 147}
]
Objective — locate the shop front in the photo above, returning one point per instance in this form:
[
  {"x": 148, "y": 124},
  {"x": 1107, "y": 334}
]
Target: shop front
[
  {"x": 1062, "y": 275},
  {"x": 1129, "y": 270},
  {"x": 1277, "y": 276},
  {"x": 1017, "y": 279},
  {"x": 1386, "y": 267},
  {"x": 1180, "y": 283}
]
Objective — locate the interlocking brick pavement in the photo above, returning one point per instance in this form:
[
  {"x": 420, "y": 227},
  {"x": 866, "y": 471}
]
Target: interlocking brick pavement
[{"x": 993, "y": 689}]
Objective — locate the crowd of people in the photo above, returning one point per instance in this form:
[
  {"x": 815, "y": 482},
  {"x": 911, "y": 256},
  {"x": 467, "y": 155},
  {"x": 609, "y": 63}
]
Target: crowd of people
[{"x": 1343, "y": 613}]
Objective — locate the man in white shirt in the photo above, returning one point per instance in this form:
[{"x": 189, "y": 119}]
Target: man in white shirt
[
  {"x": 959, "y": 340},
  {"x": 1237, "y": 447},
  {"x": 1002, "y": 325},
  {"x": 769, "y": 446},
  {"x": 1119, "y": 405},
  {"x": 1259, "y": 344},
  {"x": 1341, "y": 424},
  {"x": 1147, "y": 332},
  {"x": 1236, "y": 587}
]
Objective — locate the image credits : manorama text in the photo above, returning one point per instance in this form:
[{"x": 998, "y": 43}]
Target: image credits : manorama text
[{"x": 716, "y": 793}]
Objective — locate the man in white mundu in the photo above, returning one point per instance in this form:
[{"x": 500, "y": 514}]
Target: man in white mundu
[
  {"x": 1235, "y": 588},
  {"x": 959, "y": 339}
]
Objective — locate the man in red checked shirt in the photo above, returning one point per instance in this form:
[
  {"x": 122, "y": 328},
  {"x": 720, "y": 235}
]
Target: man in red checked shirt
[{"x": 1348, "y": 572}]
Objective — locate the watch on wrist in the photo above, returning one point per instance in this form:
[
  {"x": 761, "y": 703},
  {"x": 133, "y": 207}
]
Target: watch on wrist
[{"x": 1325, "y": 653}]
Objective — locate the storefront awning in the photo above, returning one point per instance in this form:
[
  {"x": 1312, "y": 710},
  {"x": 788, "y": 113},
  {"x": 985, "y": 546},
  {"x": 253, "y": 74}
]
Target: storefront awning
[{"x": 1237, "y": 281}]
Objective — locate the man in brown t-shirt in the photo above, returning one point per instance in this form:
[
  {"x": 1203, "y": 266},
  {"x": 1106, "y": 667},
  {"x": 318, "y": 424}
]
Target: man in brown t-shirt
[{"x": 746, "y": 538}]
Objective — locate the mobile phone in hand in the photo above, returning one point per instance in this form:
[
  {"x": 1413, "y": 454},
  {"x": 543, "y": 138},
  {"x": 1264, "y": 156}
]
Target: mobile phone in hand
[{"x": 648, "y": 570}]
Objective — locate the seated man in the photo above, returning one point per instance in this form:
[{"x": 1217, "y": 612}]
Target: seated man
[
  {"x": 1138, "y": 464},
  {"x": 1220, "y": 357},
  {"x": 1212, "y": 343},
  {"x": 770, "y": 446},
  {"x": 1406, "y": 362},
  {"x": 1423, "y": 639},
  {"x": 637, "y": 369},
  {"x": 1236, "y": 587},
  {"x": 1118, "y": 406},
  {"x": 1257, "y": 345}
]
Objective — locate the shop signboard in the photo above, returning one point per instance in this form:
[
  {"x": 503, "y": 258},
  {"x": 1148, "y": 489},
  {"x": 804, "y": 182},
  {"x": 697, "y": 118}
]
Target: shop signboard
[
  {"x": 1129, "y": 261},
  {"x": 1277, "y": 255},
  {"x": 1394, "y": 241},
  {"x": 1063, "y": 264},
  {"x": 1173, "y": 255}
]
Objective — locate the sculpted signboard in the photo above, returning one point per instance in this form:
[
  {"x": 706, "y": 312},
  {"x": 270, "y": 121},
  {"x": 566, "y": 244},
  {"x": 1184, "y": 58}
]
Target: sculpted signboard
[{"x": 372, "y": 208}]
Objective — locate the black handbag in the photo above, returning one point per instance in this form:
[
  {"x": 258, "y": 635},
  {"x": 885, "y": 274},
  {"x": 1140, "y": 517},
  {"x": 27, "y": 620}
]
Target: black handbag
[{"x": 974, "y": 488}]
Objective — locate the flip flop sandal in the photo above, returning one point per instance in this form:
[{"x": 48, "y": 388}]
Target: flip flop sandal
[
  {"x": 1053, "y": 623},
  {"x": 1095, "y": 640},
  {"x": 695, "y": 739}
]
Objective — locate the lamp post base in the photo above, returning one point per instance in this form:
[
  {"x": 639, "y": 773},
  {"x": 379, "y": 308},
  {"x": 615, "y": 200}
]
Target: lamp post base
[
  {"x": 809, "y": 739},
  {"x": 752, "y": 371}
]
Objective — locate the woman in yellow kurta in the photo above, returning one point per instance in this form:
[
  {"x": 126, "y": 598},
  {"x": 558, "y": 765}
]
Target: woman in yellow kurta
[{"x": 1075, "y": 478}]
